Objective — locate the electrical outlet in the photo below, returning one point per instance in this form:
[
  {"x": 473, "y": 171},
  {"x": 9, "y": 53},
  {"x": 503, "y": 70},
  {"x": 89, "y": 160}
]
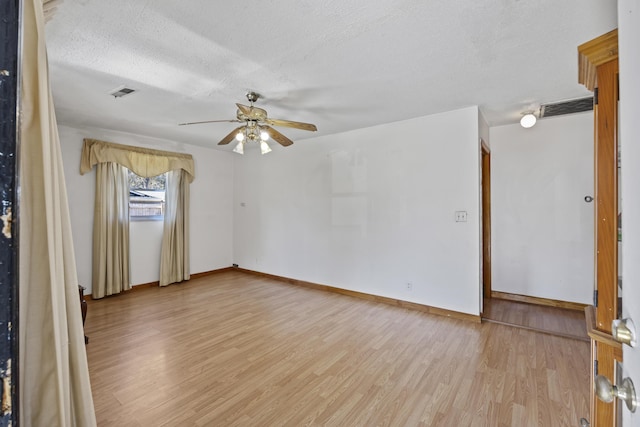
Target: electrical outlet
[
  {"x": 461, "y": 216},
  {"x": 409, "y": 286}
]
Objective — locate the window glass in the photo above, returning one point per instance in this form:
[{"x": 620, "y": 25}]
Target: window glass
[{"x": 146, "y": 196}]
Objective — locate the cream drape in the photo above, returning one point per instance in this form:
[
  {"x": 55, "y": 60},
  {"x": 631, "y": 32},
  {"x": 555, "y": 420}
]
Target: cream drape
[
  {"x": 111, "y": 268},
  {"x": 54, "y": 380},
  {"x": 174, "y": 258}
]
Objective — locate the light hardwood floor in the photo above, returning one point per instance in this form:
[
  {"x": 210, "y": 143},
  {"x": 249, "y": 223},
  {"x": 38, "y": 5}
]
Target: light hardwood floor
[
  {"x": 552, "y": 320},
  {"x": 233, "y": 349}
]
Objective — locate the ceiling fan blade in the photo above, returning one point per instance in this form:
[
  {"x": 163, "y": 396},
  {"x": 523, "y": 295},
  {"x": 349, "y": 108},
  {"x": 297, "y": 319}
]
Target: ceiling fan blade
[
  {"x": 227, "y": 139},
  {"x": 277, "y": 136},
  {"x": 290, "y": 124},
  {"x": 210, "y": 121}
]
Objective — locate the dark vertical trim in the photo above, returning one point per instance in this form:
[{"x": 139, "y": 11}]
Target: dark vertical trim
[
  {"x": 9, "y": 96},
  {"x": 486, "y": 220}
]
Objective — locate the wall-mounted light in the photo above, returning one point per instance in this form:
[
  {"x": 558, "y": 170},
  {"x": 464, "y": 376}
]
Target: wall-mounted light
[{"x": 528, "y": 120}]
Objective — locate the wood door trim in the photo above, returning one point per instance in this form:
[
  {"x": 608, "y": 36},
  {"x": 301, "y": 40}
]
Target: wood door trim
[
  {"x": 485, "y": 146},
  {"x": 486, "y": 220},
  {"x": 594, "y": 333},
  {"x": 606, "y": 195},
  {"x": 595, "y": 53}
]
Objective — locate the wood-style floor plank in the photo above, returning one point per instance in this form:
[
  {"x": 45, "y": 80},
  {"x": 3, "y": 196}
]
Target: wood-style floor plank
[
  {"x": 553, "y": 320},
  {"x": 233, "y": 349}
]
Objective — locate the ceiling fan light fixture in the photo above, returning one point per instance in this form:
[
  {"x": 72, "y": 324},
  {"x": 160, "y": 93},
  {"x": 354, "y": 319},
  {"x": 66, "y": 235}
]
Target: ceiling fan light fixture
[
  {"x": 264, "y": 147},
  {"x": 239, "y": 148},
  {"x": 528, "y": 120},
  {"x": 256, "y": 127}
]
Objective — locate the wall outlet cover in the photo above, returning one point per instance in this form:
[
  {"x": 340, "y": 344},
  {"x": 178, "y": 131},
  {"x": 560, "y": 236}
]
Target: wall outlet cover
[{"x": 461, "y": 216}]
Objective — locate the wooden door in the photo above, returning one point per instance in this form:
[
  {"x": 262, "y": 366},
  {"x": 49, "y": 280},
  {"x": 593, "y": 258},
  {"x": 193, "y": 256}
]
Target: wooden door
[{"x": 598, "y": 71}]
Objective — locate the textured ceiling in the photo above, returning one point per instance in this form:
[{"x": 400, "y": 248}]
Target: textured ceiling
[{"x": 339, "y": 64}]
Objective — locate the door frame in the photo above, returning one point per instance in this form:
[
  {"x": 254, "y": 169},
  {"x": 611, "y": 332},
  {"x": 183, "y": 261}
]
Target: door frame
[
  {"x": 9, "y": 140},
  {"x": 486, "y": 219}
]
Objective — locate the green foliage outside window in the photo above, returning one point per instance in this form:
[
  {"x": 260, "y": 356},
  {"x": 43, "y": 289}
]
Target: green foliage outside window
[{"x": 137, "y": 182}]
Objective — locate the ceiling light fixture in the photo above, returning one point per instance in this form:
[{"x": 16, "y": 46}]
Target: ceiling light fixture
[
  {"x": 528, "y": 120},
  {"x": 264, "y": 147},
  {"x": 239, "y": 148},
  {"x": 251, "y": 132}
]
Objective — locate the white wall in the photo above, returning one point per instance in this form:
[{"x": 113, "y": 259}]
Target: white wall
[
  {"x": 369, "y": 210},
  {"x": 211, "y": 207},
  {"x": 542, "y": 229},
  {"x": 483, "y": 128},
  {"x": 629, "y": 133}
]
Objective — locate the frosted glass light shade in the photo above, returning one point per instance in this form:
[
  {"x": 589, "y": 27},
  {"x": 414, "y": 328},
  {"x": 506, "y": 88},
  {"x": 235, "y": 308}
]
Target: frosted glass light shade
[
  {"x": 264, "y": 147},
  {"x": 264, "y": 136},
  {"x": 239, "y": 148},
  {"x": 240, "y": 136},
  {"x": 528, "y": 120}
]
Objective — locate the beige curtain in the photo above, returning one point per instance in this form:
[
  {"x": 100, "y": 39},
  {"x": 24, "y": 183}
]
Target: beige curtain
[
  {"x": 174, "y": 259},
  {"x": 54, "y": 379},
  {"x": 111, "y": 231}
]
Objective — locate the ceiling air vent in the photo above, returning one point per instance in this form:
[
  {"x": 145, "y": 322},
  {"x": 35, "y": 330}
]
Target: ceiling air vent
[
  {"x": 566, "y": 107},
  {"x": 121, "y": 91}
]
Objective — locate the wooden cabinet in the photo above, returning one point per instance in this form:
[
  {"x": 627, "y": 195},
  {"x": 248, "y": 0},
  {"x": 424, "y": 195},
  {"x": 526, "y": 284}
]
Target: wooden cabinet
[{"x": 598, "y": 71}]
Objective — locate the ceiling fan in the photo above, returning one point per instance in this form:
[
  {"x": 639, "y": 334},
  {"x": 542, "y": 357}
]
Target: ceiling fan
[{"x": 256, "y": 127}]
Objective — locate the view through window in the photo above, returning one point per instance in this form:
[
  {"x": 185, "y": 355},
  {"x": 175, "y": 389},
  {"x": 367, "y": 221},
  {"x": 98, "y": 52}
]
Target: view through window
[{"x": 146, "y": 196}]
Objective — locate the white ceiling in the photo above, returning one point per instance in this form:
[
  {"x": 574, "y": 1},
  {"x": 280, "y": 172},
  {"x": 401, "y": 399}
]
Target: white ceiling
[{"x": 341, "y": 64}]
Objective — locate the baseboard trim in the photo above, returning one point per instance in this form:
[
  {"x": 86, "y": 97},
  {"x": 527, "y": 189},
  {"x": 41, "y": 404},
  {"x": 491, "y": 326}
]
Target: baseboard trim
[
  {"x": 146, "y": 286},
  {"x": 370, "y": 297},
  {"x": 211, "y": 272},
  {"x": 538, "y": 301}
]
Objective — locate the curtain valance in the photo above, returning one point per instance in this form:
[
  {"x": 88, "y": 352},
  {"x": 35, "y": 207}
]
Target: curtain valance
[{"x": 145, "y": 162}]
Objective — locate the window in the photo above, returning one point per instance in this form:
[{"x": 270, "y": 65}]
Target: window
[{"x": 146, "y": 197}]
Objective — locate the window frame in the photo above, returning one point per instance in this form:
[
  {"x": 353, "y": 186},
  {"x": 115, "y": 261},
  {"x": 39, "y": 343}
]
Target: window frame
[{"x": 137, "y": 218}]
